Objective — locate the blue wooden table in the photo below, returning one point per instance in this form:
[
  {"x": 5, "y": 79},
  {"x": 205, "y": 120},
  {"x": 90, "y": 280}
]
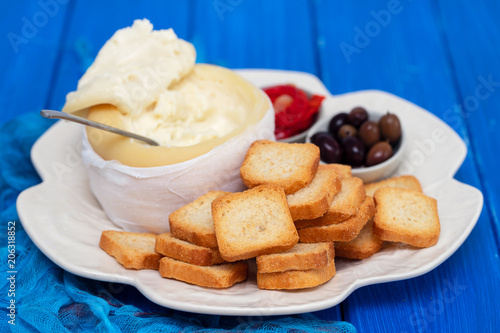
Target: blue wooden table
[{"x": 442, "y": 55}]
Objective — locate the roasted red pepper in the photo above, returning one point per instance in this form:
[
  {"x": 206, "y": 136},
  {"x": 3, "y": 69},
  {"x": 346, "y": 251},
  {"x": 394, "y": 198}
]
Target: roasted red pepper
[{"x": 294, "y": 110}]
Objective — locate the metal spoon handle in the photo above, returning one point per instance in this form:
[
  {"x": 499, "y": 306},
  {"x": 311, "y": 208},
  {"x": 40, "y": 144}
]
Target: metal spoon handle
[{"x": 62, "y": 115}]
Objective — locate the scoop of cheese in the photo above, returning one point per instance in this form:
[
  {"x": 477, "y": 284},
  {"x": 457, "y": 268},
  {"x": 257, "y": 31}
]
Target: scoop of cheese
[
  {"x": 132, "y": 69},
  {"x": 146, "y": 82}
]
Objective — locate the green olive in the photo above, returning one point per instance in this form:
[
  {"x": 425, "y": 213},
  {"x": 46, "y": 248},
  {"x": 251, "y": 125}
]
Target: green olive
[{"x": 345, "y": 131}]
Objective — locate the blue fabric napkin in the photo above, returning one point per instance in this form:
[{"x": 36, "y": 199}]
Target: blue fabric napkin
[{"x": 49, "y": 299}]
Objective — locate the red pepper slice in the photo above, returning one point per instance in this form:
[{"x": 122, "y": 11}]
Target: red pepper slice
[{"x": 298, "y": 115}]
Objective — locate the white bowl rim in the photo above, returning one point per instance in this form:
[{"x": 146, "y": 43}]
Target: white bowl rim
[{"x": 395, "y": 158}]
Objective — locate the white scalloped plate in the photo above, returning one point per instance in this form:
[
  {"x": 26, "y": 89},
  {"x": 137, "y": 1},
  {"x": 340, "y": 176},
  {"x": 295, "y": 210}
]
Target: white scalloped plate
[{"x": 65, "y": 221}]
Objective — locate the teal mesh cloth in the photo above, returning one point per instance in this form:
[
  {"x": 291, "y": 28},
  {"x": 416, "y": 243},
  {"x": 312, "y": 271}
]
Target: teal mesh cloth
[{"x": 49, "y": 299}]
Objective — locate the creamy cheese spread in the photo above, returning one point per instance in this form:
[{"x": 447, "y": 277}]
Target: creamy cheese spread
[
  {"x": 133, "y": 68},
  {"x": 146, "y": 82},
  {"x": 200, "y": 107}
]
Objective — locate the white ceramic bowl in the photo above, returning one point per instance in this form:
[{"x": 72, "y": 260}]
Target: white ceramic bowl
[{"x": 375, "y": 172}]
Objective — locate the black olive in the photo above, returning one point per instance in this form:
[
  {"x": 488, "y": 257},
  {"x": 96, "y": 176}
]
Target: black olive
[
  {"x": 390, "y": 128},
  {"x": 337, "y": 122},
  {"x": 379, "y": 153},
  {"x": 358, "y": 116},
  {"x": 330, "y": 150},
  {"x": 354, "y": 151},
  {"x": 369, "y": 133}
]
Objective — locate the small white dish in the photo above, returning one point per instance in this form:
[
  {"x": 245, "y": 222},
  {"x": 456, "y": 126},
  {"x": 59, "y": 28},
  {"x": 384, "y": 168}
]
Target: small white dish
[
  {"x": 65, "y": 221},
  {"x": 305, "y": 81},
  {"x": 375, "y": 172}
]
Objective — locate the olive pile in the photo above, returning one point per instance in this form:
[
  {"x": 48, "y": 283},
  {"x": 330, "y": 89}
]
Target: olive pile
[{"x": 353, "y": 139}]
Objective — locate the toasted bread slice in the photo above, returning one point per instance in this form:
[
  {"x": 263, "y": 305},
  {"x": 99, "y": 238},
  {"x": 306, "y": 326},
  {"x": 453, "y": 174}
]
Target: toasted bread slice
[
  {"x": 406, "y": 216},
  {"x": 363, "y": 246},
  {"x": 344, "y": 171},
  {"x": 132, "y": 250},
  {"x": 175, "y": 248},
  {"x": 301, "y": 257},
  {"x": 340, "y": 232},
  {"x": 406, "y": 181},
  {"x": 193, "y": 222},
  {"x": 253, "y": 223},
  {"x": 314, "y": 200},
  {"x": 297, "y": 279},
  {"x": 217, "y": 276},
  {"x": 291, "y": 166},
  {"x": 344, "y": 205}
]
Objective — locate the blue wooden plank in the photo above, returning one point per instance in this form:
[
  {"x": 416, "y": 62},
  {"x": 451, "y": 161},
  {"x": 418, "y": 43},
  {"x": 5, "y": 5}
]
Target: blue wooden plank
[
  {"x": 30, "y": 33},
  {"x": 475, "y": 53},
  {"x": 398, "y": 47},
  {"x": 84, "y": 38},
  {"x": 255, "y": 34}
]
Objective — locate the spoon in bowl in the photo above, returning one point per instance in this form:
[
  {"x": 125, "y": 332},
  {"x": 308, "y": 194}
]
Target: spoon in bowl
[{"x": 50, "y": 114}]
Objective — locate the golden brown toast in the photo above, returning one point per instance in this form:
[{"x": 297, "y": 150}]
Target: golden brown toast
[
  {"x": 217, "y": 276},
  {"x": 314, "y": 200},
  {"x": 363, "y": 246},
  {"x": 406, "y": 181},
  {"x": 169, "y": 246},
  {"x": 132, "y": 250},
  {"x": 344, "y": 171},
  {"x": 302, "y": 256},
  {"x": 344, "y": 205},
  {"x": 291, "y": 166},
  {"x": 193, "y": 222},
  {"x": 298, "y": 279},
  {"x": 253, "y": 223},
  {"x": 406, "y": 216},
  {"x": 340, "y": 232}
]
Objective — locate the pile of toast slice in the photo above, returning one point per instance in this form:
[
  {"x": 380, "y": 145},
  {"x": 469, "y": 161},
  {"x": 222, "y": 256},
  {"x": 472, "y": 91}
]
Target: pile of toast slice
[{"x": 293, "y": 220}]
